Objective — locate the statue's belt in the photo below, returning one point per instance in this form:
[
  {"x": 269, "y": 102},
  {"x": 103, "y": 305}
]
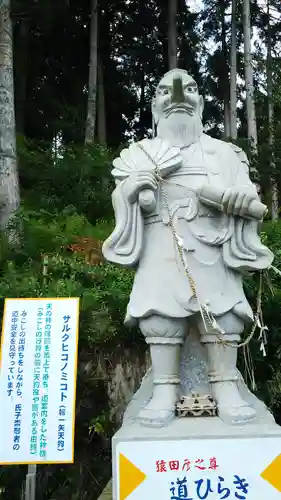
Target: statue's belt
[{"x": 152, "y": 219}]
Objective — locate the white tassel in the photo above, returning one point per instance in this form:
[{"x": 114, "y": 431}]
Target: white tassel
[
  {"x": 262, "y": 349},
  {"x": 153, "y": 127},
  {"x": 180, "y": 241},
  {"x": 263, "y": 339},
  {"x": 211, "y": 320},
  {"x": 275, "y": 270}
]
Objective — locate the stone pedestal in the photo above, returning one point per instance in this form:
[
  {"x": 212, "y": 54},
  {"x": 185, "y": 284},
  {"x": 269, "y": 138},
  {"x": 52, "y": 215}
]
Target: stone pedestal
[{"x": 204, "y": 454}]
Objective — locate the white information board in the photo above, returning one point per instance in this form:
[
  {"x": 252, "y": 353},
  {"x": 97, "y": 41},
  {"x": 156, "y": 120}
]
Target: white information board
[
  {"x": 213, "y": 469},
  {"x": 38, "y": 370}
]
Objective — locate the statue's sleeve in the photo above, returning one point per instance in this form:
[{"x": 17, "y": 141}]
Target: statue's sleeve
[
  {"x": 243, "y": 250},
  {"x": 124, "y": 245},
  {"x": 242, "y": 177}
]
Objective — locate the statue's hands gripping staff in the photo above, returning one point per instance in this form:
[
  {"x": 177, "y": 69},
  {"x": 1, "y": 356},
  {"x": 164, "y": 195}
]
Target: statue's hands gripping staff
[
  {"x": 139, "y": 181},
  {"x": 239, "y": 201}
]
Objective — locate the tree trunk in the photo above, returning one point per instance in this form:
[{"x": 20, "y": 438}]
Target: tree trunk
[
  {"x": 9, "y": 182},
  {"x": 21, "y": 63},
  {"x": 224, "y": 73},
  {"x": 249, "y": 80},
  {"x": 226, "y": 118},
  {"x": 142, "y": 101},
  {"x": 172, "y": 34},
  {"x": 93, "y": 72},
  {"x": 233, "y": 75},
  {"x": 101, "y": 106},
  {"x": 274, "y": 187}
]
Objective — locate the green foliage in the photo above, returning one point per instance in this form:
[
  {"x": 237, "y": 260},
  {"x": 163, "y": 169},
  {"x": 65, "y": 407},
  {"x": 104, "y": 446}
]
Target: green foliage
[
  {"x": 66, "y": 180},
  {"x": 55, "y": 211},
  {"x": 267, "y": 369},
  {"x": 103, "y": 288},
  {"x": 103, "y": 292}
]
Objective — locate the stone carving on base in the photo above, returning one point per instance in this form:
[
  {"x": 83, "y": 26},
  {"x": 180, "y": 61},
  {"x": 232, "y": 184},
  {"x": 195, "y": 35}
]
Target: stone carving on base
[
  {"x": 196, "y": 406},
  {"x": 187, "y": 218}
]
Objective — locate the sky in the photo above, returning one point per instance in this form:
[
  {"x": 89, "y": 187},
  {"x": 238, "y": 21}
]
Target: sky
[
  {"x": 194, "y": 5},
  {"x": 197, "y": 5}
]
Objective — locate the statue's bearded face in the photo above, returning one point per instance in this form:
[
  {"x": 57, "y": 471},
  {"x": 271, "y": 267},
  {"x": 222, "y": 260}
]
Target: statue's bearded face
[{"x": 177, "y": 108}]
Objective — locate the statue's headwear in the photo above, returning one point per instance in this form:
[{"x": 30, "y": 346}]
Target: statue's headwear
[{"x": 176, "y": 70}]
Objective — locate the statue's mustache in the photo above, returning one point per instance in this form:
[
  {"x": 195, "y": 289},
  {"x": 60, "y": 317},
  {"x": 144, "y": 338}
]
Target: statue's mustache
[{"x": 183, "y": 108}]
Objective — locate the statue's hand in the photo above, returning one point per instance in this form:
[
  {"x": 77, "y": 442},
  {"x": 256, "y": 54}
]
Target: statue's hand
[
  {"x": 236, "y": 200},
  {"x": 137, "y": 182}
]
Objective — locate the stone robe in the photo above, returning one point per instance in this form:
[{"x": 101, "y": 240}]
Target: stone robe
[{"x": 218, "y": 248}]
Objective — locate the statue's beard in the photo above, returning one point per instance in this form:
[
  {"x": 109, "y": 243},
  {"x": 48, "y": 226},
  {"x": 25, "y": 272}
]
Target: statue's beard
[{"x": 180, "y": 129}]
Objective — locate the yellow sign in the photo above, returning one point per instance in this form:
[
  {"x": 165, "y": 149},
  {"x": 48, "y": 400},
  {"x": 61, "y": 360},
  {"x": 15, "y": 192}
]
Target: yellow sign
[
  {"x": 130, "y": 477},
  {"x": 272, "y": 474}
]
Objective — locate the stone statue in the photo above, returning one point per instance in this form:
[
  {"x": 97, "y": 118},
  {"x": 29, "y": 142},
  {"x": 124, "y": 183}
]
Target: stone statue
[{"x": 187, "y": 220}]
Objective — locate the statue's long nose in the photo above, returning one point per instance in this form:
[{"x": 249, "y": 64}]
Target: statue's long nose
[{"x": 177, "y": 90}]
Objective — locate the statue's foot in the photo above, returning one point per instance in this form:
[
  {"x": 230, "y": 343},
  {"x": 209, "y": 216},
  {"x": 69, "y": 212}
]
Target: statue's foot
[
  {"x": 232, "y": 408},
  {"x": 152, "y": 418},
  {"x": 158, "y": 412}
]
